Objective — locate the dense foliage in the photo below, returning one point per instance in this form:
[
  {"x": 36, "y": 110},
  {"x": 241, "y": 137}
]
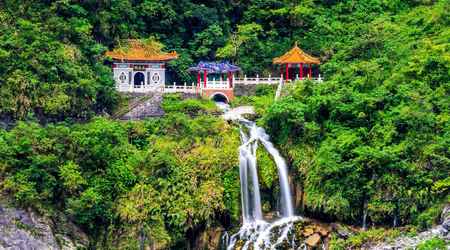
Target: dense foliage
[
  {"x": 50, "y": 66},
  {"x": 51, "y": 51},
  {"x": 375, "y": 136},
  {"x": 152, "y": 181}
]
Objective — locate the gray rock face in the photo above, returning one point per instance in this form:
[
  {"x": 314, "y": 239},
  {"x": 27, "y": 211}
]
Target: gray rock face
[
  {"x": 22, "y": 229},
  {"x": 445, "y": 218}
]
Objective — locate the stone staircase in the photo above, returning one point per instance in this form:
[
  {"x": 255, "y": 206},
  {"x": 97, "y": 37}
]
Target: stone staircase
[{"x": 142, "y": 106}]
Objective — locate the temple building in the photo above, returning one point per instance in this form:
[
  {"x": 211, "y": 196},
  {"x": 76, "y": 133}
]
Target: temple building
[
  {"x": 139, "y": 66},
  {"x": 297, "y": 58}
]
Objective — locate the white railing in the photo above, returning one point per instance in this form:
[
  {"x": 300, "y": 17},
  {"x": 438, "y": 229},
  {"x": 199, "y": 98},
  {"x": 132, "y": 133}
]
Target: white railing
[
  {"x": 139, "y": 88},
  {"x": 180, "y": 88},
  {"x": 210, "y": 84},
  {"x": 257, "y": 80},
  {"x": 216, "y": 84},
  {"x": 316, "y": 79},
  {"x": 271, "y": 80}
]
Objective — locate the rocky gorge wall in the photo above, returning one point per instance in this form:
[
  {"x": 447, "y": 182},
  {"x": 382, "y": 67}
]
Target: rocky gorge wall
[{"x": 26, "y": 229}]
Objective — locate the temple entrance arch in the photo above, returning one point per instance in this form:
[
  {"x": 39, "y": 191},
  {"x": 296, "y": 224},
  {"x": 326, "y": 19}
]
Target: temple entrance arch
[{"x": 139, "y": 79}]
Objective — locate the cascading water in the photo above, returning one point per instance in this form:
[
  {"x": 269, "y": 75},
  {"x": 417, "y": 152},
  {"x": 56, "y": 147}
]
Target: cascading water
[
  {"x": 287, "y": 208},
  {"x": 255, "y": 231},
  {"x": 364, "y": 218},
  {"x": 250, "y": 196},
  {"x": 250, "y": 146}
]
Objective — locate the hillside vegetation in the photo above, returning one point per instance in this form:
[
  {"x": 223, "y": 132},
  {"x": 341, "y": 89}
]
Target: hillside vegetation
[
  {"x": 52, "y": 51},
  {"x": 155, "y": 181},
  {"x": 374, "y": 136}
]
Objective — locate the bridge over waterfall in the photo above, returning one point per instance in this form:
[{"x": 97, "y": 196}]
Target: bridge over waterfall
[{"x": 217, "y": 89}]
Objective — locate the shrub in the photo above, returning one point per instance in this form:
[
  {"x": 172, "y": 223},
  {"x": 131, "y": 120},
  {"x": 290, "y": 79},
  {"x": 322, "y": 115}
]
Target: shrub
[{"x": 433, "y": 244}]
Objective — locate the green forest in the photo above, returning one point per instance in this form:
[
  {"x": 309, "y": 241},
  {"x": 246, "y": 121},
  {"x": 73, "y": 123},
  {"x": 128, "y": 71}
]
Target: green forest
[{"x": 374, "y": 136}]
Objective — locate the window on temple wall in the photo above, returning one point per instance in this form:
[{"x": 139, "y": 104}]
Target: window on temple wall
[
  {"x": 156, "y": 78},
  {"x": 122, "y": 77}
]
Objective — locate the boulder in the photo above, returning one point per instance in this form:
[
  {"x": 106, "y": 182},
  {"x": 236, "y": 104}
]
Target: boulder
[
  {"x": 313, "y": 240},
  {"x": 341, "y": 230},
  {"x": 308, "y": 231},
  {"x": 323, "y": 231}
]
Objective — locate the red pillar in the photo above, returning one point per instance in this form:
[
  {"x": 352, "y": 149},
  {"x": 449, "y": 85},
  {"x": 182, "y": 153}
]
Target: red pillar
[
  {"x": 230, "y": 80},
  {"x": 198, "y": 79},
  {"x": 310, "y": 71},
  {"x": 205, "y": 78},
  {"x": 287, "y": 71},
  {"x": 301, "y": 71}
]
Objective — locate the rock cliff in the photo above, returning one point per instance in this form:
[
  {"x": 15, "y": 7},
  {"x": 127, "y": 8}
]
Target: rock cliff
[{"x": 26, "y": 229}]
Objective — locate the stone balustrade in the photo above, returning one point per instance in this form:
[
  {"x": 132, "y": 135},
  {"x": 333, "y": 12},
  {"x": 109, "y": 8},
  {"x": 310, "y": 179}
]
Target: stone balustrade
[{"x": 218, "y": 84}]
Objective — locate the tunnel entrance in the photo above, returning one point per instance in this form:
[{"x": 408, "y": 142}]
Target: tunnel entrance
[{"x": 219, "y": 97}]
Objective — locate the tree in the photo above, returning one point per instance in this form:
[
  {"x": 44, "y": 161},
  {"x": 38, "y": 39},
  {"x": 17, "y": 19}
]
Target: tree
[
  {"x": 240, "y": 41},
  {"x": 140, "y": 208}
]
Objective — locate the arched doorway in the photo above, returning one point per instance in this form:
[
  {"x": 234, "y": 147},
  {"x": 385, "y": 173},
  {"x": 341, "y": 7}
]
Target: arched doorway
[
  {"x": 139, "y": 79},
  {"x": 219, "y": 97}
]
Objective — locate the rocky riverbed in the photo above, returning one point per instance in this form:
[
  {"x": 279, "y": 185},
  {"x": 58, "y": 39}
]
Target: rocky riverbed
[{"x": 441, "y": 231}]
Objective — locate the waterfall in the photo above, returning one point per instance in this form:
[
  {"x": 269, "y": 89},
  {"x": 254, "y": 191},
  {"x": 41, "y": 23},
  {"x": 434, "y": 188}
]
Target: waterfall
[
  {"x": 364, "y": 218},
  {"x": 250, "y": 195},
  {"x": 247, "y": 156},
  {"x": 255, "y": 231},
  {"x": 287, "y": 208}
]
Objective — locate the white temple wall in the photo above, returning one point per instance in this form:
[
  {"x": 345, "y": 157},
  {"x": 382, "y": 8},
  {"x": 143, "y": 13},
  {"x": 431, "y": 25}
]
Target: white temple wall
[{"x": 138, "y": 77}]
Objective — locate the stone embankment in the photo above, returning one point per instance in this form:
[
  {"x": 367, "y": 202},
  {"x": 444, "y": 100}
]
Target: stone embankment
[{"x": 244, "y": 89}]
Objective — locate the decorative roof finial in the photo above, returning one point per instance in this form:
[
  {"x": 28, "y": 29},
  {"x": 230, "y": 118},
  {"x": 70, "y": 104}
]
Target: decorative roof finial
[{"x": 296, "y": 45}]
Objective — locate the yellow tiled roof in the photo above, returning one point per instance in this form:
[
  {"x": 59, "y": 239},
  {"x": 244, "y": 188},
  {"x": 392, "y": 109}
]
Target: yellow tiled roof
[
  {"x": 139, "y": 51},
  {"x": 296, "y": 56}
]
